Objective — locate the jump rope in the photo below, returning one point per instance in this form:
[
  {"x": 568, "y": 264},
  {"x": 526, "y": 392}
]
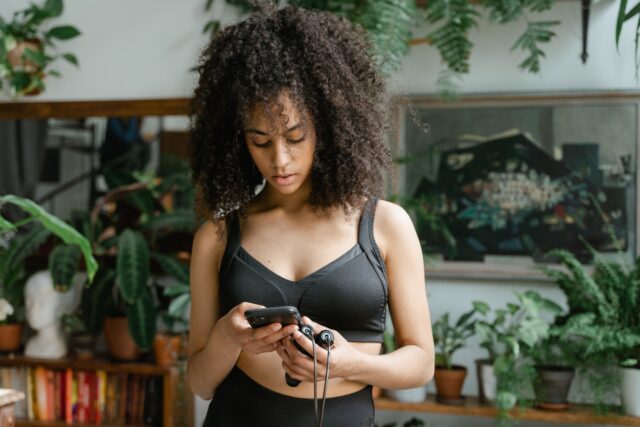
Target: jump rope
[{"x": 325, "y": 340}]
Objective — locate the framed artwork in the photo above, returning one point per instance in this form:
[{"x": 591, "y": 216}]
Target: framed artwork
[{"x": 496, "y": 182}]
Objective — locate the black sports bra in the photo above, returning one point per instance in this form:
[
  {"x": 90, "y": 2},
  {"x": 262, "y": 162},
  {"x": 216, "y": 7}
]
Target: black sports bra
[{"x": 349, "y": 294}]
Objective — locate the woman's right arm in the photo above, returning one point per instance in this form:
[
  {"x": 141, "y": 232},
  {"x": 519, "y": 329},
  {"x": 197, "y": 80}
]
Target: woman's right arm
[{"x": 215, "y": 342}]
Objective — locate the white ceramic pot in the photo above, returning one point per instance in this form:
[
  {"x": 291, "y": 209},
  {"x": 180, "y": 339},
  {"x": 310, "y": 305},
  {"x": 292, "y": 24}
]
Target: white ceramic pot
[
  {"x": 631, "y": 391},
  {"x": 408, "y": 395},
  {"x": 488, "y": 382}
]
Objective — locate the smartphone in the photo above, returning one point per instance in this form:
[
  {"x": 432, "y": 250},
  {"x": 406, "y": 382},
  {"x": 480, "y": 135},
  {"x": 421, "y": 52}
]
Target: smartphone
[{"x": 285, "y": 315}]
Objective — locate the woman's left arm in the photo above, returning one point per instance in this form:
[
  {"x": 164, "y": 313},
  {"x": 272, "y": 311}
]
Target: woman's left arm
[{"x": 412, "y": 364}]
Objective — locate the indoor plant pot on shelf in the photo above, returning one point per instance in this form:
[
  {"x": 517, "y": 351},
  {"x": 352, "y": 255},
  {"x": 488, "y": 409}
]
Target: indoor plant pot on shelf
[
  {"x": 25, "y": 47},
  {"x": 169, "y": 345},
  {"x": 603, "y": 311},
  {"x": 448, "y": 339},
  {"x": 507, "y": 337}
]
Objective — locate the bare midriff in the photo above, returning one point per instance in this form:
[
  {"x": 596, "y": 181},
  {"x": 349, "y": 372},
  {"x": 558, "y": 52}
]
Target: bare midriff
[{"x": 266, "y": 369}]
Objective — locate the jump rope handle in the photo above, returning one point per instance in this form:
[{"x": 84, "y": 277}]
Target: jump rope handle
[
  {"x": 307, "y": 331},
  {"x": 324, "y": 339}
]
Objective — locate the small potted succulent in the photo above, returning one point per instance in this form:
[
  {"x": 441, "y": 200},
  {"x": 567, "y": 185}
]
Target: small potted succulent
[
  {"x": 448, "y": 339},
  {"x": 26, "y": 47}
]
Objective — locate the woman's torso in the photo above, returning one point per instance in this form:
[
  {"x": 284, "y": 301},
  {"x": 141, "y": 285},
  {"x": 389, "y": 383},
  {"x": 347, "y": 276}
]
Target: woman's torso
[{"x": 328, "y": 267}]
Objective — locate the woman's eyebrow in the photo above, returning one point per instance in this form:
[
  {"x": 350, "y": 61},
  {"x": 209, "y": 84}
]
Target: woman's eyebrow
[{"x": 261, "y": 132}]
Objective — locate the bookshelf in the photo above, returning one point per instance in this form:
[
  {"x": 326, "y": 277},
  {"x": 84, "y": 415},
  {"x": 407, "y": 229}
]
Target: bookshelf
[
  {"x": 176, "y": 403},
  {"x": 578, "y": 414}
]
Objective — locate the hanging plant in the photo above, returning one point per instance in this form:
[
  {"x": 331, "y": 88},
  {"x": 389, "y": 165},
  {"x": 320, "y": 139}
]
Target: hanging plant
[{"x": 26, "y": 47}]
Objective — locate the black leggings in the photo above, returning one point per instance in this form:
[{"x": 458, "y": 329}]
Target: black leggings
[{"x": 239, "y": 401}]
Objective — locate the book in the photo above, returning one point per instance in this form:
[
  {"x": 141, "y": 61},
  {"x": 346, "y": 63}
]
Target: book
[{"x": 40, "y": 374}]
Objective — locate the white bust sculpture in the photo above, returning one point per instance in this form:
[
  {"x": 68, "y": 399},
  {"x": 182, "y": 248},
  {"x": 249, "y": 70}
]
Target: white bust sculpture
[{"x": 44, "y": 309}]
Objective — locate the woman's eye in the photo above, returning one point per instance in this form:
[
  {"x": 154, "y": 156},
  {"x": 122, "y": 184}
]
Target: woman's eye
[
  {"x": 261, "y": 144},
  {"x": 295, "y": 141}
]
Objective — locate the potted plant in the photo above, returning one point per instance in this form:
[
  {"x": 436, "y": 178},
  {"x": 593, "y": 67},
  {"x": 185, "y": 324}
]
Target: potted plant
[
  {"x": 448, "y": 339},
  {"x": 19, "y": 242},
  {"x": 507, "y": 375},
  {"x": 168, "y": 344},
  {"x": 25, "y": 47},
  {"x": 134, "y": 235},
  {"x": 603, "y": 311},
  {"x": 556, "y": 359}
]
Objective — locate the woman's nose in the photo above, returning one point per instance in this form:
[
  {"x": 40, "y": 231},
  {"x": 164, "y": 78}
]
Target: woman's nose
[{"x": 281, "y": 155}]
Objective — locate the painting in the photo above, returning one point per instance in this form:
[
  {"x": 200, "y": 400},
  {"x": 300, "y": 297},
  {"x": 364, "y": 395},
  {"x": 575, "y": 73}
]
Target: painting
[{"x": 513, "y": 177}]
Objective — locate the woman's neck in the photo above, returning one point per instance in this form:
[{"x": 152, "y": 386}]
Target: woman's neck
[{"x": 293, "y": 202}]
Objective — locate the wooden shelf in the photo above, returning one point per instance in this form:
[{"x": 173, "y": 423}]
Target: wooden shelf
[
  {"x": 88, "y": 365},
  {"x": 80, "y": 109},
  {"x": 579, "y": 414},
  {"x": 28, "y": 423}
]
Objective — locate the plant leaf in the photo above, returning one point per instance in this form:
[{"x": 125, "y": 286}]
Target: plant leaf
[
  {"x": 61, "y": 229},
  {"x": 70, "y": 58},
  {"x": 95, "y": 301},
  {"x": 53, "y": 8},
  {"x": 63, "y": 264},
  {"x": 63, "y": 32},
  {"x": 179, "y": 304},
  {"x": 132, "y": 265},
  {"x": 173, "y": 267},
  {"x": 141, "y": 317}
]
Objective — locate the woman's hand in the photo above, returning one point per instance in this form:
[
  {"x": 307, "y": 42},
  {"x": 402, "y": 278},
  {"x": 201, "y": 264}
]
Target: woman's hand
[
  {"x": 255, "y": 341},
  {"x": 300, "y": 366}
]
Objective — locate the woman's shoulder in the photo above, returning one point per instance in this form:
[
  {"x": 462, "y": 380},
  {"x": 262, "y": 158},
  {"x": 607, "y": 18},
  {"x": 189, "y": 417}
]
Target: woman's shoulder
[
  {"x": 392, "y": 225},
  {"x": 210, "y": 240}
]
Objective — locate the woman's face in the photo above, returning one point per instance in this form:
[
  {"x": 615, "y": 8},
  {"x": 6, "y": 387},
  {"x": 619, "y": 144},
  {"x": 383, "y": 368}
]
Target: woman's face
[{"x": 281, "y": 144}]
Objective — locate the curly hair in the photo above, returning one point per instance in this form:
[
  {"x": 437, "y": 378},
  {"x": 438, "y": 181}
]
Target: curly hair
[{"x": 324, "y": 63}]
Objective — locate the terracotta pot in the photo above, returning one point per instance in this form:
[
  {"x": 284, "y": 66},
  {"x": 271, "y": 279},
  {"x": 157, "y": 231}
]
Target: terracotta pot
[
  {"x": 10, "y": 335},
  {"x": 14, "y": 56},
  {"x": 554, "y": 385},
  {"x": 167, "y": 348},
  {"x": 449, "y": 381},
  {"x": 120, "y": 343}
]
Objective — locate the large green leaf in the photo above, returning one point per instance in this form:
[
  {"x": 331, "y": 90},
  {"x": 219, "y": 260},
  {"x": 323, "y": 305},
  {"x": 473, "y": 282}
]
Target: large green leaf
[
  {"x": 95, "y": 301},
  {"x": 172, "y": 267},
  {"x": 132, "y": 265},
  {"x": 142, "y": 319},
  {"x": 55, "y": 225},
  {"x": 63, "y": 264},
  {"x": 21, "y": 247},
  {"x": 6, "y": 225}
]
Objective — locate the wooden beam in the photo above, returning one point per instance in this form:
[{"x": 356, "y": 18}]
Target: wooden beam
[{"x": 81, "y": 109}]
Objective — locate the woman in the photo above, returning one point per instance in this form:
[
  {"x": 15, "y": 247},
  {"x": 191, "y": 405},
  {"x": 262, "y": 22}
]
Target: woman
[{"x": 290, "y": 101}]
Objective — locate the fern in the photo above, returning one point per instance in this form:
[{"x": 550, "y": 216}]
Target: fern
[
  {"x": 536, "y": 33},
  {"x": 456, "y": 18},
  {"x": 388, "y": 23}
]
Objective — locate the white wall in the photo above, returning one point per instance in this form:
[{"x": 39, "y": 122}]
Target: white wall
[{"x": 144, "y": 49}]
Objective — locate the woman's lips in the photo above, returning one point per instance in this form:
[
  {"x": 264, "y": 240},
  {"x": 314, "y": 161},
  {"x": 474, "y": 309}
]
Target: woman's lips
[{"x": 284, "y": 179}]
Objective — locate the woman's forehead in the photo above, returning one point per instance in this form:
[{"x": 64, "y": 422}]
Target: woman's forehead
[{"x": 276, "y": 113}]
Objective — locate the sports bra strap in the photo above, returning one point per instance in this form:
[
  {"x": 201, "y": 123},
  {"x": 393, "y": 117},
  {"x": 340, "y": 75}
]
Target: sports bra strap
[
  {"x": 233, "y": 240},
  {"x": 367, "y": 240}
]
